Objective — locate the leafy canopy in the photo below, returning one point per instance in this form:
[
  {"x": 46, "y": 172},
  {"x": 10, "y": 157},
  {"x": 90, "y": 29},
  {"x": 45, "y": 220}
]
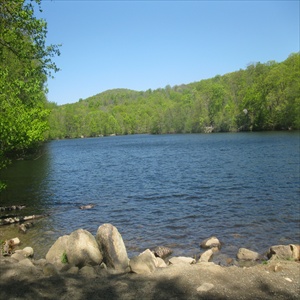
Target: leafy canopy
[{"x": 25, "y": 64}]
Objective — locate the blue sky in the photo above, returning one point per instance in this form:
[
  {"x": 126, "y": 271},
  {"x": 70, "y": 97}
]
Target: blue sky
[{"x": 150, "y": 44}]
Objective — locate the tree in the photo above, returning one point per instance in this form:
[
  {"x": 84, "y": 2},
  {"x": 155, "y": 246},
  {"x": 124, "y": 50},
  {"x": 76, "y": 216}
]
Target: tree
[{"x": 25, "y": 64}]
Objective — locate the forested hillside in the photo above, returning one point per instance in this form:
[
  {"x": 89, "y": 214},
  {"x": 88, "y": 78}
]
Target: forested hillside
[{"x": 261, "y": 97}]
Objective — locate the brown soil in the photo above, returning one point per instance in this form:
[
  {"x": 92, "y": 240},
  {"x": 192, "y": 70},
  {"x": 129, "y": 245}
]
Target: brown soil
[{"x": 275, "y": 280}]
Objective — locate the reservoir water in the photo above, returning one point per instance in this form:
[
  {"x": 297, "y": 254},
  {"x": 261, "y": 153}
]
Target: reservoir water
[{"x": 171, "y": 190}]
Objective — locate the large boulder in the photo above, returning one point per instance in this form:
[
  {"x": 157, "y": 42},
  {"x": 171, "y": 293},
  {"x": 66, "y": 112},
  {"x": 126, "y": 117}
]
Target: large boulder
[
  {"x": 82, "y": 249},
  {"x": 57, "y": 251},
  {"x": 289, "y": 252},
  {"x": 112, "y": 247},
  {"x": 143, "y": 263},
  {"x": 246, "y": 254}
]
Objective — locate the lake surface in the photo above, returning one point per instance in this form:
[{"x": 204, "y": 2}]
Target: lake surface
[{"x": 172, "y": 190}]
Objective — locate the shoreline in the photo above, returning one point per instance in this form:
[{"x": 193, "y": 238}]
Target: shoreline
[{"x": 275, "y": 280}]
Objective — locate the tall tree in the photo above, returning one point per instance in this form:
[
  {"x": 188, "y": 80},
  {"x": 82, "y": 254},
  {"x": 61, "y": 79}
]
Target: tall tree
[{"x": 25, "y": 64}]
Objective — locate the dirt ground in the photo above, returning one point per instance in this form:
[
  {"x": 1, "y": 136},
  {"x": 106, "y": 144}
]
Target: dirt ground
[{"x": 275, "y": 280}]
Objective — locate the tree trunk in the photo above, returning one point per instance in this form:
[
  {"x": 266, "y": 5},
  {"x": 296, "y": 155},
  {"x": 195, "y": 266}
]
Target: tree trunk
[
  {"x": 11, "y": 220},
  {"x": 13, "y": 207}
]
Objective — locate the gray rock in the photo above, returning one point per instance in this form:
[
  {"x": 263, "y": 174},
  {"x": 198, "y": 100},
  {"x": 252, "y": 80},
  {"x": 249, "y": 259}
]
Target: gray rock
[
  {"x": 87, "y": 271},
  {"x": 210, "y": 242},
  {"x": 82, "y": 249},
  {"x": 112, "y": 248},
  {"x": 27, "y": 263},
  {"x": 57, "y": 250},
  {"x": 73, "y": 270},
  {"x": 143, "y": 263},
  {"x": 50, "y": 270},
  {"x": 289, "y": 252},
  {"x": 162, "y": 251},
  {"x": 246, "y": 254}
]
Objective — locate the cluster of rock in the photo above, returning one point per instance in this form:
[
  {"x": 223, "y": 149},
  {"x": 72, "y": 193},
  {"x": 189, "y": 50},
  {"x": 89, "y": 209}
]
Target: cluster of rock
[{"x": 81, "y": 252}]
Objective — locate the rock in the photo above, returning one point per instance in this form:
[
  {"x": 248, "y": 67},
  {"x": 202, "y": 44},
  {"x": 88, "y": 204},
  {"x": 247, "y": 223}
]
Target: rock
[
  {"x": 112, "y": 248},
  {"x": 289, "y": 252},
  {"x": 82, "y": 249},
  {"x": 89, "y": 206},
  {"x": 73, "y": 270},
  {"x": 143, "y": 263},
  {"x": 162, "y": 251},
  {"x": 40, "y": 262},
  {"x": 210, "y": 243},
  {"x": 275, "y": 268},
  {"x": 182, "y": 260},
  {"x": 246, "y": 254},
  {"x": 24, "y": 226},
  {"x": 27, "y": 263},
  {"x": 160, "y": 263},
  {"x": 16, "y": 241},
  {"x": 205, "y": 287},
  {"x": 206, "y": 256},
  {"x": 28, "y": 251},
  {"x": 57, "y": 250},
  {"x": 296, "y": 252},
  {"x": 87, "y": 271},
  {"x": 18, "y": 256},
  {"x": 49, "y": 270}
]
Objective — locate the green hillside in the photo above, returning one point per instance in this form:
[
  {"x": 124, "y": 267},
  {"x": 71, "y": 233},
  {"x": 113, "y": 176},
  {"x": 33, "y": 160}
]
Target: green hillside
[{"x": 264, "y": 96}]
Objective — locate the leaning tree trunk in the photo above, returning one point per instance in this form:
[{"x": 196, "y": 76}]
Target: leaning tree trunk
[
  {"x": 18, "y": 219},
  {"x": 13, "y": 207}
]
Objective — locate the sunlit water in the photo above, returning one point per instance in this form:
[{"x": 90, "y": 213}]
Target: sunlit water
[{"x": 172, "y": 190}]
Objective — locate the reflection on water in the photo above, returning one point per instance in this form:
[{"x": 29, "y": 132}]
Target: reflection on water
[{"x": 172, "y": 190}]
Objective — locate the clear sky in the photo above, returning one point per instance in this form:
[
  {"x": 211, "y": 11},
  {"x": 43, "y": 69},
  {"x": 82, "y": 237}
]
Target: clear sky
[{"x": 150, "y": 44}]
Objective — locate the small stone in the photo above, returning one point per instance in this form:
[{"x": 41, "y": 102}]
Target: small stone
[
  {"x": 26, "y": 262},
  {"x": 210, "y": 242},
  {"x": 246, "y": 254},
  {"x": 205, "y": 287},
  {"x": 182, "y": 259},
  {"x": 28, "y": 251},
  {"x": 49, "y": 270},
  {"x": 16, "y": 241},
  {"x": 162, "y": 251},
  {"x": 87, "y": 271},
  {"x": 206, "y": 256},
  {"x": 18, "y": 256},
  {"x": 160, "y": 263},
  {"x": 73, "y": 270}
]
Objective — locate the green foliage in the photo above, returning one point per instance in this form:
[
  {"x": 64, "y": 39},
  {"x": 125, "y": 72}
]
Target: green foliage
[
  {"x": 25, "y": 63},
  {"x": 262, "y": 97},
  {"x": 64, "y": 258}
]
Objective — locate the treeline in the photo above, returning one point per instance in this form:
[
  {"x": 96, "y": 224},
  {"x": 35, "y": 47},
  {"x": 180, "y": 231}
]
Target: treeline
[{"x": 261, "y": 97}]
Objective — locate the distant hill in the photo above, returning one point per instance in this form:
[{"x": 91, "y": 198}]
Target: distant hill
[{"x": 264, "y": 96}]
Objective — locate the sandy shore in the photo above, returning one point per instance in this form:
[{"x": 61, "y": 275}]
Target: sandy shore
[{"x": 275, "y": 280}]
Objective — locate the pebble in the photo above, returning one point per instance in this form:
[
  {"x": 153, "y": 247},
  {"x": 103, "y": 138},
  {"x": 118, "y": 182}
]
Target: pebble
[{"x": 205, "y": 287}]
